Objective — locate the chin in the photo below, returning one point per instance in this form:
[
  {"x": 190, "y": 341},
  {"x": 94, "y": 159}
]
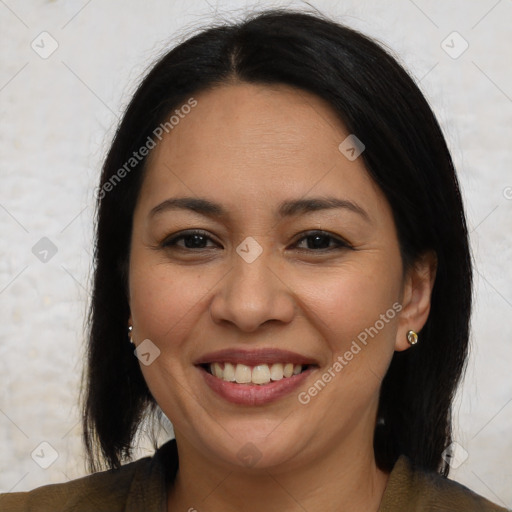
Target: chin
[{"x": 251, "y": 443}]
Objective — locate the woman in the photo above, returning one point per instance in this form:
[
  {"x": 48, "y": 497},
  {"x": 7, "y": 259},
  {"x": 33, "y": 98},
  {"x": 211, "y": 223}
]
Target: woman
[{"x": 281, "y": 238}]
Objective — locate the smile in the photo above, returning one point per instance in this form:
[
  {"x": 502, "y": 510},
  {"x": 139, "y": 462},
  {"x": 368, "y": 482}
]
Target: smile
[
  {"x": 259, "y": 374},
  {"x": 254, "y": 377}
]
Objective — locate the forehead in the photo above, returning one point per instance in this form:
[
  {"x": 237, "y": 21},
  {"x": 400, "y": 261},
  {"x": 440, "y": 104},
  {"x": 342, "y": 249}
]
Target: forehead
[{"x": 248, "y": 143}]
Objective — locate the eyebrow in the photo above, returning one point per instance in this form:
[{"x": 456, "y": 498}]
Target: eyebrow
[{"x": 286, "y": 208}]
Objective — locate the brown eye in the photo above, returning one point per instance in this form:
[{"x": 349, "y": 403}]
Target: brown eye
[
  {"x": 320, "y": 240},
  {"x": 191, "y": 240}
]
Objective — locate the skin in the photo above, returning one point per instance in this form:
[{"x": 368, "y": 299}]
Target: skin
[{"x": 250, "y": 147}]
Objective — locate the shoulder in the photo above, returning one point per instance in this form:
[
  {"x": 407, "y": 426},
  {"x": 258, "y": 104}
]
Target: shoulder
[
  {"x": 138, "y": 485},
  {"x": 106, "y": 490},
  {"x": 410, "y": 489}
]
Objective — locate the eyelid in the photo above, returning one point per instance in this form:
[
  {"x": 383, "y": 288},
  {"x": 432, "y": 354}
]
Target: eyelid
[
  {"x": 166, "y": 242},
  {"x": 340, "y": 242}
]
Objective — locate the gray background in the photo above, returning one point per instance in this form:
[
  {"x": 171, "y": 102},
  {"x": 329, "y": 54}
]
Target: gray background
[{"x": 58, "y": 115}]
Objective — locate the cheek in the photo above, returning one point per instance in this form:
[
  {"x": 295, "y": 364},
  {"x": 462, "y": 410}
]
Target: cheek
[
  {"x": 163, "y": 299},
  {"x": 165, "y": 302},
  {"x": 356, "y": 314},
  {"x": 351, "y": 301}
]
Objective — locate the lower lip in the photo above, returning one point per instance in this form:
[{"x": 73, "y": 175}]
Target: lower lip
[{"x": 254, "y": 394}]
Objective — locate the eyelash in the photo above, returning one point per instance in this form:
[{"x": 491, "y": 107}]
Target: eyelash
[{"x": 340, "y": 243}]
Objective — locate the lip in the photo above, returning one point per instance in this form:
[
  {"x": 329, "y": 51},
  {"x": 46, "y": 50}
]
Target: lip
[
  {"x": 254, "y": 394},
  {"x": 254, "y": 357}
]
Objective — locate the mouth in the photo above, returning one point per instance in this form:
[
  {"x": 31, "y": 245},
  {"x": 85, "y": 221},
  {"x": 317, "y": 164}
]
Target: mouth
[
  {"x": 254, "y": 377},
  {"x": 259, "y": 375}
]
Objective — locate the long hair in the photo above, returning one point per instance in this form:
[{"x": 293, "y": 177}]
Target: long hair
[{"x": 406, "y": 155}]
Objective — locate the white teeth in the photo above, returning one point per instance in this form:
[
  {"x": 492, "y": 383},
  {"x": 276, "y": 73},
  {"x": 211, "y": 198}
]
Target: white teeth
[
  {"x": 217, "y": 370},
  {"x": 259, "y": 374},
  {"x": 288, "y": 370},
  {"x": 229, "y": 373},
  {"x": 276, "y": 371},
  {"x": 243, "y": 374}
]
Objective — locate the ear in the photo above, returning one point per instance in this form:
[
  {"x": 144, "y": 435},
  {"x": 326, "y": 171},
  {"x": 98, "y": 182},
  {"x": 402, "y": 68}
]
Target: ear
[{"x": 416, "y": 294}]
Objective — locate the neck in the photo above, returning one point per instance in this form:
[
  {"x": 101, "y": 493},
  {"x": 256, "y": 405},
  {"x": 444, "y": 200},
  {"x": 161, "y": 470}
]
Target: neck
[{"x": 345, "y": 478}]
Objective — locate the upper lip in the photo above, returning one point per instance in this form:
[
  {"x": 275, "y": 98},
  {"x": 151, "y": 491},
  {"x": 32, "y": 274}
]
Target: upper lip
[{"x": 254, "y": 357}]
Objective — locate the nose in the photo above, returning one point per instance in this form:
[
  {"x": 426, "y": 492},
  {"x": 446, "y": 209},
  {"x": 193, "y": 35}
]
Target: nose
[{"x": 252, "y": 294}]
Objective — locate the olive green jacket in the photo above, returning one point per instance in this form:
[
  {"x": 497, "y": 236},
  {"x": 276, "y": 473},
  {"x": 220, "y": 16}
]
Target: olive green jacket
[{"x": 140, "y": 486}]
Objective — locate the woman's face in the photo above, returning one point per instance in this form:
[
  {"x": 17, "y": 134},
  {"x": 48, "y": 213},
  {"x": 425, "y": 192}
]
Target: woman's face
[{"x": 297, "y": 263}]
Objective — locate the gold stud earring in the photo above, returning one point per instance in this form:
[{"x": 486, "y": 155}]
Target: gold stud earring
[
  {"x": 412, "y": 338},
  {"x": 130, "y": 329}
]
